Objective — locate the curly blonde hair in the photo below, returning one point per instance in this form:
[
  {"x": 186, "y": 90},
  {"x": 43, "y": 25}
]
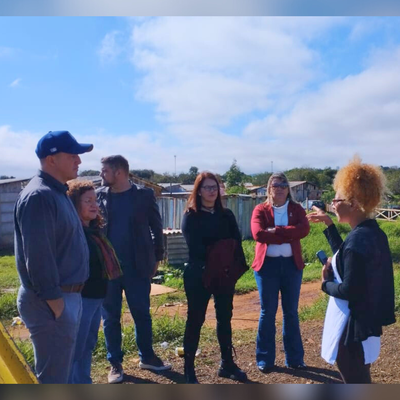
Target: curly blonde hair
[
  {"x": 76, "y": 188},
  {"x": 365, "y": 183}
]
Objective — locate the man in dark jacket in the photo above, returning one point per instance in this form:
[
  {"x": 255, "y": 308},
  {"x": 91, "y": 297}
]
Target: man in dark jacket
[{"x": 134, "y": 228}]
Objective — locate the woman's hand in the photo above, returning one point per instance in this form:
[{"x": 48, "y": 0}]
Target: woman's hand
[
  {"x": 327, "y": 271},
  {"x": 319, "y": 216}
]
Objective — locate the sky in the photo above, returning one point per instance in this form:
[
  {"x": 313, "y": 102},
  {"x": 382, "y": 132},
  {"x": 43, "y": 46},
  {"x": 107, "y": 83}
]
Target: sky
[{"x": 294, "y": 91}]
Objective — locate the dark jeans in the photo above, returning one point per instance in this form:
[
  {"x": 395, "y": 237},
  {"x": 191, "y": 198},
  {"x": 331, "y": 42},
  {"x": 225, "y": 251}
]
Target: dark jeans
[
  {"x": 198, "y": 298},
  {"x": 351, "y": 363},
  {"x": 53, "y": 339},
  {"x": 279, "y": 274},
  {"x": 137, "y": 292}
]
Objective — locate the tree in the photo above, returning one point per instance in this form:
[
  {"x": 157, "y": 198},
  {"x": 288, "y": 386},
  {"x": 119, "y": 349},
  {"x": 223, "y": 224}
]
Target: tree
[
  {"x": 90, "y": 172},
  {"x": 234, "y": 176},
  {"x": 237, "y": 190},
  {"x": 193, "y": 172},
  {"x": 261, "y": 179},
  {"x": 146, "y": 174}
]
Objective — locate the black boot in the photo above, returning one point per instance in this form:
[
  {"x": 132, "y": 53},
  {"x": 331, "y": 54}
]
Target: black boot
[
  {"x": 190, "y": 374},
  {"x": 229, "y": 369}
]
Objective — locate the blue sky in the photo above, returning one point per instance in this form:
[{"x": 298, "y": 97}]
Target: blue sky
[{"x": 296, "y": 91}]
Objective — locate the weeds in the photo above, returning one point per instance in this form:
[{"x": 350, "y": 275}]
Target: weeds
[{"x": 8, "y": 306}]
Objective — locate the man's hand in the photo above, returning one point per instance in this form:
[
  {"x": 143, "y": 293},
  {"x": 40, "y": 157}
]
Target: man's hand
[
  {"x": 327, "y": 271},
  {"x": 57, "y": 306},
  {"x": 155, "y": 269}
]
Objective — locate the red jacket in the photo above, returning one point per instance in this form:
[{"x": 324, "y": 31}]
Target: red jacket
[{"x": 263, "y": 218}]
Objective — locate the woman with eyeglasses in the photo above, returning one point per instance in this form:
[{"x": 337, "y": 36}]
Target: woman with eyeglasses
[
  {"x": 359, "y": 276},
  {"x": 205, "y": 223},
  {"x": 103, "y": 266},
  {"x": 277, "y": 226}
]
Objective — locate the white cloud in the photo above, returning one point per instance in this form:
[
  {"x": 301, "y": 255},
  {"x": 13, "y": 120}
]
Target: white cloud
[
  {"x": 216, "y": 69},
  {"x": 110, "y": 48},
  {"x": 15, "y": 83},
  {"x": 6, "y": 51},
  {"x": 360, "y": 113}
]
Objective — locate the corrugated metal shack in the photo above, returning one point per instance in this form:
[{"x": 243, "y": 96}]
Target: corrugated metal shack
[
  {"x": 172, "y": 209},
  {"x": 176, "y": 250},
  {"x": 9, "y": 190}
]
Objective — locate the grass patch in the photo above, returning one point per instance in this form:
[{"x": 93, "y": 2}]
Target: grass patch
[
  {"x": 167, "y": 298},
  {"x": 26, "y": 348},
  {"x": 165, "y": 329},
  {"x": 315, "y": 311},
  {"x": 8, "y": 306},
  {"x": 8, "y": 273}
]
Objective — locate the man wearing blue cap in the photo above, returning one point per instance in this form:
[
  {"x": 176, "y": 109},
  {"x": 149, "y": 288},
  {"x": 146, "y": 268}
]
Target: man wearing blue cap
[{"x": 52, "y": 256}]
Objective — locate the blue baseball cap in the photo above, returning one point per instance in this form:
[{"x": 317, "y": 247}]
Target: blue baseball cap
[{"x": 60, "y": 142}]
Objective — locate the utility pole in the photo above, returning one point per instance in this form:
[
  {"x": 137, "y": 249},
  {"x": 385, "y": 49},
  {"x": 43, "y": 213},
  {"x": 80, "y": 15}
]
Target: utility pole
[
  {"x": 175, "y": 166},
  {"x": 272, "y": 167}
]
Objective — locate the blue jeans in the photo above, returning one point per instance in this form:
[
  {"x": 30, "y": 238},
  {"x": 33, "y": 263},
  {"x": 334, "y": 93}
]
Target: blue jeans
[
  {"x": 279, "y": 274},
  {"x": 86, "y": 341},
  {"x": 137, "y": 292},
  {"x": 53, "y": 339}
]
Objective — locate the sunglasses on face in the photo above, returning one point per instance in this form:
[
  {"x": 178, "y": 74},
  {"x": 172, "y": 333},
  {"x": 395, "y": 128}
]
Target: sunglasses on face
[
  {"x": 280, "y": 185},
  {"x": 212, "y": 188}
]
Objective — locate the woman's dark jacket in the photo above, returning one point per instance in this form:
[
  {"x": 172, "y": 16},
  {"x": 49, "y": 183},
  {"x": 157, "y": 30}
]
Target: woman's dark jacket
[
  {"x": 96, "y": 286},
  {"x": 201, "y": 229},
  {"x": 364, "y": 264}
]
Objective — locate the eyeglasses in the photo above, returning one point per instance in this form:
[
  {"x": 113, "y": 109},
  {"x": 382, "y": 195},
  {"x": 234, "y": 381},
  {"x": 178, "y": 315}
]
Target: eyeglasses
[
  {"x": 334, "y": 201},
  {"x": 212, "y": 188},
  {"x": 280, "y": 185}
]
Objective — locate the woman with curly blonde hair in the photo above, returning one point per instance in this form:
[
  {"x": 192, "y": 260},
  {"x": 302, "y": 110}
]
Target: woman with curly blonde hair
[{"x": 359, "y": 276}]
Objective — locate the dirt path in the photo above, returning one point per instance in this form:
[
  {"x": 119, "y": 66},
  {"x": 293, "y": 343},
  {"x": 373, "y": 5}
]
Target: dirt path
[
  {"x": 246, "y": 308},
  {"x": 385, "y": 370}
]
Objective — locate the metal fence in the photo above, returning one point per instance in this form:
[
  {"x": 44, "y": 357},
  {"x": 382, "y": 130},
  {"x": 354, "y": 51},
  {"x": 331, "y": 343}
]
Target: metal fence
[{"x": 172, "y": 210}]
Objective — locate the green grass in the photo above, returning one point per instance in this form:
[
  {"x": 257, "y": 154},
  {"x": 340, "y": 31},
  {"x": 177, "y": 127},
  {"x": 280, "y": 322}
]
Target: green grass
[
  {"x": 316, "y": 310},
  {"x": 8, "y": 306},
  {"x": 26, "y": 348},
  {"x": 8, "y": 273},
  {"x": 165, "y": 329}
]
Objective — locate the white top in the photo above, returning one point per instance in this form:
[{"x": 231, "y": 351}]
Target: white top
[
  {"x": 337, "y": 315},
  {"x": 281, "y": 219}
]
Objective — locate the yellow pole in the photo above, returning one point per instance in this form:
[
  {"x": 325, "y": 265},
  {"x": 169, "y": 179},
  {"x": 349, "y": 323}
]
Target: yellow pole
[{"x": 13, "y": 366}]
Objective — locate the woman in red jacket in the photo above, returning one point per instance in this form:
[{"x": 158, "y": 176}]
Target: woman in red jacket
[{"x": 277, "y": 226}]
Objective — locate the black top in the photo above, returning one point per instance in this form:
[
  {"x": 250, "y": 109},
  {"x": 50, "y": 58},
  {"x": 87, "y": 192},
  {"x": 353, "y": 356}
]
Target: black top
[
  {"x": 203, "y": 228},
  {"x": 96, "y": 286},
  {"x": 364, "y": 264}
]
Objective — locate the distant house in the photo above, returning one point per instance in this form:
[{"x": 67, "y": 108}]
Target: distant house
[
  {"x": 301, "y": 190},
  {"x": 9, "y": 190},
  {"x": 171, "y": 188}
]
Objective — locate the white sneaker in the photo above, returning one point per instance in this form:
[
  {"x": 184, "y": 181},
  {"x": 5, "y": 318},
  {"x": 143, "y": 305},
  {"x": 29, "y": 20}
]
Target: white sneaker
[{"x": 116, "y": 374}]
